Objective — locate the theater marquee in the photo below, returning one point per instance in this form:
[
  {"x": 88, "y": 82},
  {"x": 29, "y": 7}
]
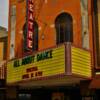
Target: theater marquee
[{"x": 47, "y": 63}]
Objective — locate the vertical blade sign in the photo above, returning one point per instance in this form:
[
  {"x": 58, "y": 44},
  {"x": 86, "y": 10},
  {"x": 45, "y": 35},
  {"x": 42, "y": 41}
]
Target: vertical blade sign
[{"x": 30, "y": 28}]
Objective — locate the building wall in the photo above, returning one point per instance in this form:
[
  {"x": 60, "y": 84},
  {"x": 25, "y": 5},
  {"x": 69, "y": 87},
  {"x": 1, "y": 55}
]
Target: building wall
[
  {"x": 48, "y": 14},
  {"x": 3, "y": 56},
  {"x": 1, "y": 51},
  {"x": 45, "y": 17}
]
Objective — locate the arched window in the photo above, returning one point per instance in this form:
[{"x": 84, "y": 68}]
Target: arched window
[
  {"x": 35, "y": 37},
  {"x": 64, "y": 28},
  {"x": 25, "y": 37}
]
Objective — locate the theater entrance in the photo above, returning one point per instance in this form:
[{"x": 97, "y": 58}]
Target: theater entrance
[{"x": 50, "y": 93}]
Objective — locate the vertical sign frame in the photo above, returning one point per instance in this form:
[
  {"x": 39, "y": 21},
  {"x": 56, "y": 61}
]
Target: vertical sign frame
[{"x": 30, "y": 20}]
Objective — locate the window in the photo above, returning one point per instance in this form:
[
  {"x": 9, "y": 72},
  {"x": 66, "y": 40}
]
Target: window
[
  {"x": 97, "y": 29},
  {"x": 35, "y": 37},
  {"x": 24, "y": 96},
  {"x": 3, "y": 48},
  {"x": 64, "y": 28}
]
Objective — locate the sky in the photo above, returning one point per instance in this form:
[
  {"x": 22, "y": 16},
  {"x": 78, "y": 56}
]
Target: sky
[{"x": 4, "y": 13}]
